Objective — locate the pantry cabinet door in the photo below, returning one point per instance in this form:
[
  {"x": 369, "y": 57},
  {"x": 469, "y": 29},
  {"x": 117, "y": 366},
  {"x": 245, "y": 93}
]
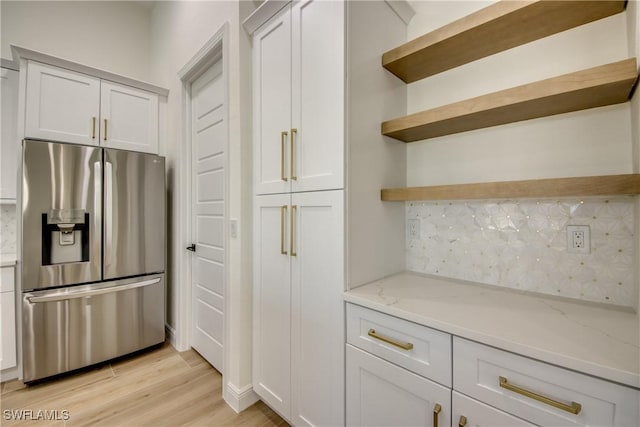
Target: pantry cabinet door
[
  {"x": 61, "y": 105},
  {"x": 317, "y": 139},
  {"x": 272, "y": 105},
  {"x": 317, "y": 287},
  {"x": 128, "y": 118},
  {"x": 9, "y": 142},
  {"x": 272, "y": 302},
  {"x": 382, "y": 394}
]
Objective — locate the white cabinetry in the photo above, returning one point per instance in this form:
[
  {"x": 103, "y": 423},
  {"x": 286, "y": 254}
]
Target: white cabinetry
[
  {"x": 9, "y": 143},
  {"x": 298, "y": 63},
  {"x": 298, "y": 149},
  {"x": 471, "y": 413},
  {"x": 540, "y": 393},
  {"x": 67, "y": 106},
  {"x": 380, "y": 393},
  {"x": 298, "y": 277},
  {"x": 392, "y": 375},
  {"x": 387, "y": 390},
  {"x": 8, "y": 318}
]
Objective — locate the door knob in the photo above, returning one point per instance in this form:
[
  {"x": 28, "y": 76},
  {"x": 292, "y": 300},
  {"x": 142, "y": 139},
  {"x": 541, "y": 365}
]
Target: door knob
[{"x": 191, "y": 247}]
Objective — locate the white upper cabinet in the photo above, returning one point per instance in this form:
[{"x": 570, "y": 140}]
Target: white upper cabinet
[
  {"x": 317, "y": 101},
  {"x": 9, "y": 143},
  {"x": 129, "y": 118},
  {"x": 299, "y": 99},
  {"x": 67, "y": 106},
  {"x": 61, "y": 105},
  {"x": 272, "y": 98}
]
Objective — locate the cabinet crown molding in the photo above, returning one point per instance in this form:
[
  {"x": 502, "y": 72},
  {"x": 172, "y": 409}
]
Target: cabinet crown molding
[{"x": 28, "y": 54}]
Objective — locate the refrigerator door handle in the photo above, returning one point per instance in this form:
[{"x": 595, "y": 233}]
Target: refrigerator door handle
[
  {"x": 108, "y": 211},
  {"x": 91, "y": 292}
]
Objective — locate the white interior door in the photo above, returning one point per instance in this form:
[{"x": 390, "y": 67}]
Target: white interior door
[{"x": 208, "y": 265}]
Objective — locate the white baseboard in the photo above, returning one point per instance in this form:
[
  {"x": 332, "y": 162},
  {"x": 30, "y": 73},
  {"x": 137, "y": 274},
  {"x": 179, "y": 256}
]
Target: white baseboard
[
  {"x": 239, "y": 398},
  {"x": 170, "y": 334},
  {"x": 9, "y": 374}
]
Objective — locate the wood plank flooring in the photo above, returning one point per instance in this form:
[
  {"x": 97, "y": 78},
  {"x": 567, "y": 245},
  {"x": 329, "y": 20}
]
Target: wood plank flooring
[{"x": 159, "y": 387}]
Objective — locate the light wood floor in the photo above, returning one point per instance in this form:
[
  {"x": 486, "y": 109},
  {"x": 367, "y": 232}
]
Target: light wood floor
[{"x": 160, "y": 387}]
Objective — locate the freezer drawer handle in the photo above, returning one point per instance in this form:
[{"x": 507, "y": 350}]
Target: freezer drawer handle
[
  {"x": 82, "y": 294},
  {"x": 573, "y": 408}
]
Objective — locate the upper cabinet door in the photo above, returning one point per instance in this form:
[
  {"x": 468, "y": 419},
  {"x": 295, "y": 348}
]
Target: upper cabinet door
[
  {"x": 61, "y": 105},
  {"x": 9, "y": 143},
  {"x": 317, "y": 95},
  {"x": 272, "y": 105},
  {"x": 128, "y": 118}
]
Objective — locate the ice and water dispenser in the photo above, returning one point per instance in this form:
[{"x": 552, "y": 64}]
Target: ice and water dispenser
[{"x": 65, "y": 236}]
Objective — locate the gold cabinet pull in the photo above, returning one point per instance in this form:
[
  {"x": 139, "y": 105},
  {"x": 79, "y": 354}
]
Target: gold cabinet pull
[
  {"x": 403, "y": 345},
  {"x": 283, "y": 137},
  {"x": 294, "y": 132},
  {"x": 436, "y": 411},
  {"x": 93, "y": 128},
  {"x": 105, "y": 129},
  {"x": 294, "y": 209},
  {"x": 463, "y": 421},
  {"x": 283, "y": 219},
  {"x": 573, "y": 408}
]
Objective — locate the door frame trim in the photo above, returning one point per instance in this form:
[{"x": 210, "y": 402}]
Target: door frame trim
[{"x": 214, "y": 50}]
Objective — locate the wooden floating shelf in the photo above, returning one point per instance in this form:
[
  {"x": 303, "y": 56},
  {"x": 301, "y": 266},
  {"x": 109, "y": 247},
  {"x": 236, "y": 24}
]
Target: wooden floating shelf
[
  {"x": 609, "y": 185},
  {"x": 595, "y": 87},
  {"x": 496, "y": 28}
]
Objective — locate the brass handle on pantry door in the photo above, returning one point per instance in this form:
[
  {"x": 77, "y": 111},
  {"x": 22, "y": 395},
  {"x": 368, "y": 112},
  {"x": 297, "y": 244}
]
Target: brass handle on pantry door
[
  {"x": 283, "y": 219},
  {"x": 436, "y": 411},
  {"x": 294, "y": 132},
  {"x": 294, "y": 210},
  {"x": 283, "y": 136},
  {"x": 463, "y": 421},
  {"x": 573, "y": 408}
]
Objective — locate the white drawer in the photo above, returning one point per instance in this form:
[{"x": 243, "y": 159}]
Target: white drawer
[
  {"x": 477, "y": 414},
  {"x": 380, "y": 393},
  {"x": 477, "y": 370},
  {"x": 7, "y": 279},
  {"x": 430, "y": 352}
]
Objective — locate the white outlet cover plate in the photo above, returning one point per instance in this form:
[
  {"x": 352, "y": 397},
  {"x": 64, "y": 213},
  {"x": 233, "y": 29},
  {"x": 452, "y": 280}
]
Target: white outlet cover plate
[{"x": 586, "y": 249}]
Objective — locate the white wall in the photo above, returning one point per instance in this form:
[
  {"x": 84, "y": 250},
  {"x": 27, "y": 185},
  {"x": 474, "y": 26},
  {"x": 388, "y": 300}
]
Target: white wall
[
  {"x": 178, "y": 31},
  {"x": 375, "y": 229},
  {"x": 591, "y": 142},
  {"x": 114, "y": 36}
]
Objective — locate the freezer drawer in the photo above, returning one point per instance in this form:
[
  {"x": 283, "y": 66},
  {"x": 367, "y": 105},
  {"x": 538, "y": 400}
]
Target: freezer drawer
[{"x": 69, "y": 328}]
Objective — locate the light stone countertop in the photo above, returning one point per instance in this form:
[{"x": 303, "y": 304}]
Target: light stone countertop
[
  {"x": 7, "y": 260},
  {"x": 593, "y": 339}
]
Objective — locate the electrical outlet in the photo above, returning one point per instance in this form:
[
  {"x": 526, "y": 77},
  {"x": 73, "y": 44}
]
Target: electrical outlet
[
  {"x": 414, "y": 228},
  {"x": 233, "y": 225},
  {"x": 578, "y": 239}
]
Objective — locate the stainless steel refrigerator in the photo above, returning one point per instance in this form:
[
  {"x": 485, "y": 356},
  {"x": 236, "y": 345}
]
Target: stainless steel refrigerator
[{"x": 92, "y": 255}]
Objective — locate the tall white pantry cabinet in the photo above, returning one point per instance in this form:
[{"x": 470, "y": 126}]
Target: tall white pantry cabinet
[{"x": 298, "y": 344}]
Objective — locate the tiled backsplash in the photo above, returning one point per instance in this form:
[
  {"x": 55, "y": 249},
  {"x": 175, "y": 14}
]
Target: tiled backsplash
[
  {"x": 7, "y": 229},
  {"x": 522, "y": 244}
]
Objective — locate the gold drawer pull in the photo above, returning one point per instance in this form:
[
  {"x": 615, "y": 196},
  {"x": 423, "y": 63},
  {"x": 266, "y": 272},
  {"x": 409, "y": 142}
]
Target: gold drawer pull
[
  {"x": 463, "y": 421},
  {"x": 436, "y": 412},
  {"x": 403, "y": 345},
  {"x": 283, "y": 137},
  {"x": 292, "y": 234},
  {"x": 573, "y": 408},
  {"x": 283, "y": 216},
  {"x": 294, "y": 132}
]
